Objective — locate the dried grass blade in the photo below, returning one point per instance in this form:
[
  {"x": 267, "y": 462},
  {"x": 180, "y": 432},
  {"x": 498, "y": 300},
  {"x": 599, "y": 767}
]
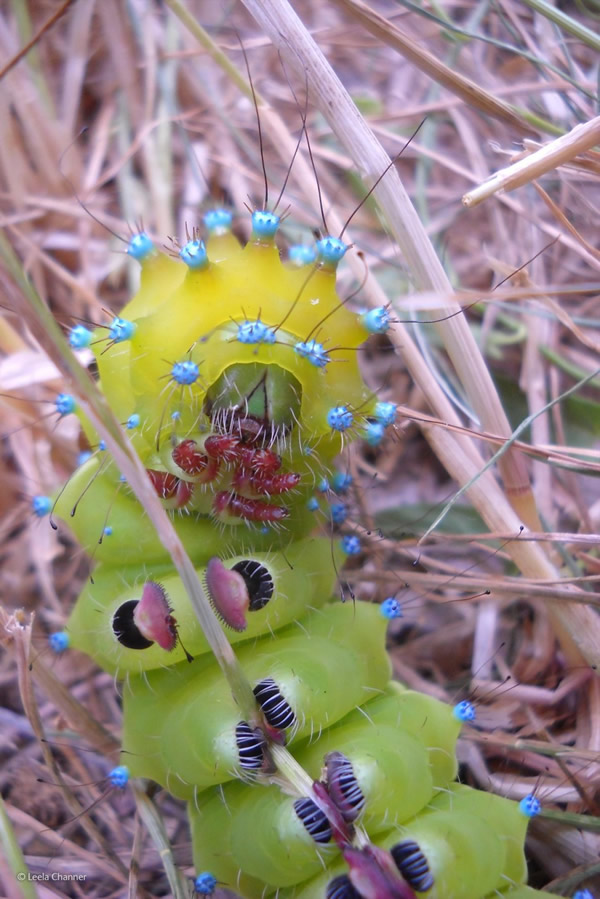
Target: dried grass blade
[
  {"x": 156, "y": 828},
  {"x": 565, "y": 148},
  {"x": 12, "y": 863},
  {"x": 560, "y": 18},
  {"x": 472, "y": 94},
  {"x": 20, "y": 632}
]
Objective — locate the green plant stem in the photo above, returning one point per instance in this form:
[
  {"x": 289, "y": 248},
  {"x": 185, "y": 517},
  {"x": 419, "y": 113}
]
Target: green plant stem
[
  {"x": 14, "y": 857},
  {"x": 205, "y": 40},
  {"x": 566, "y": 23}
]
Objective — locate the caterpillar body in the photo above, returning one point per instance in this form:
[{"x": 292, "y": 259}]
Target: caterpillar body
[
  {"x": 235, "y": 373},
  {"x": 300, "y": 579}
]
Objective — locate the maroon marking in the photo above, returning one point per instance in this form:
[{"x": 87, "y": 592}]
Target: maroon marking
[
  {"x": 153, "y": 618},
  {"x": 164, "y": 483},
  {"x": 259, "y": 461},
  {"x": 373, "y": 873},
  {"x": 274, "y": 485},
  {"x": 183, "y": 493},
  {"x": 222, "y": 448},
  {"x": 252, "y": 509},
  {"x": 189, "y": 458},
  {"x": 228, "y": 594},
  {"x": 168, "y": 486},
  {"x": 241, "y": 478},
  {"x": 343, "y": 831}
]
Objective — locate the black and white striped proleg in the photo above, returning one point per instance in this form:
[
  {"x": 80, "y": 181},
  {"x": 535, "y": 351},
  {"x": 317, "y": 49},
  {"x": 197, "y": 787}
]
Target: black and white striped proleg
[
  {"x": 341, "y": 888},
  {"x": 314, "y": 820},
  {"x": 250, "y": 746},
  {"x": 343, "y": 786},
  {"x": 275, "y": 707},
  {"x": 258, "y": 581},
  {"x": 412, "y": 864}
]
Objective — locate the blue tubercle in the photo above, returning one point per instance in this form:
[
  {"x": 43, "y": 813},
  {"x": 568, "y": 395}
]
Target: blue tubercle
[
  {"x": 530, "y": 806},
  {"x": 102, "y": 446},
  {"x": 121, "y": 329},
  {"x": 339, "y": 513},
  {"x": 313, "y": 351},
  {"x": 255, "y": 332},
  {"x": 65, "y": 404},
  {"x": 83, "y": 456},
  {"x": 41, "y": 505},
  {"x": 300, "y": 254},
  {"x": 340, "y": 418},
  {"x": 376, "y": 321},
  {"x": 341, "y": 481},
  {"x": 312, "y": 504},
  {"x": 119, "y": 777},
  {"x": 464, "y": 711},
  {"x": 107, "y": 532},
  {"x": 205, "y": 883},
  {"x": 351, "y": 545},
  {"x": 385, "y": 413},
  {"x": 217, "y": 221},
  {"x": 583, "y": 894},
  {"x": 58, "y": 642},
  {"x": 264, "y": 224},
  {"x": 132, "y": 422},
  {"x": 323, "y": 486},
  {"x": 194, "y": 254},
  {"x": 80, "y": 337},
  {"x": 391, "y": 608},
  {"x": 186, "y": 372},
  {"x": 374, "y": 433},
  {"x": 140, "y": 246},
  {"x": 331, "y": 250}
]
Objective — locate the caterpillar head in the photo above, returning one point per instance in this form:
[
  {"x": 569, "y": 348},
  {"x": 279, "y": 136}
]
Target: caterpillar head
[{"x": 230, "y": 343}]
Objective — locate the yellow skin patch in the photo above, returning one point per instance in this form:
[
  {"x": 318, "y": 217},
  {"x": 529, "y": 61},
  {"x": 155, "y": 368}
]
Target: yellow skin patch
[{"x": 198, "y": 318}]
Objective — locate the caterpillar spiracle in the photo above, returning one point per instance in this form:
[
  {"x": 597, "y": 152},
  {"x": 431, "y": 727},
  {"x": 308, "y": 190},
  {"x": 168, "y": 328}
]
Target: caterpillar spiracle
[{"x": 235, "y": 371}]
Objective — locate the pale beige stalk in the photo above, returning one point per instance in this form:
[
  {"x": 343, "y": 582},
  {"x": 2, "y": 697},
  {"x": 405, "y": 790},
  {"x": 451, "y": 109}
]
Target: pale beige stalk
[{"x": 558, "y": 152}]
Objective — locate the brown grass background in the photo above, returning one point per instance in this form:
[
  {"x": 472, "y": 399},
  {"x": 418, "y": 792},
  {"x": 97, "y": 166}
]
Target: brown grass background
[{"x": 116, "y": 114}]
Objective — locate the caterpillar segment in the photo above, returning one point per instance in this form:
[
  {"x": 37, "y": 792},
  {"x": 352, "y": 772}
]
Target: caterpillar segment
[
  {"x": 185, "y": 365},
  {"x": 456, "y": 853},
  {"x": 201, "y": 747},
  {"x": 302, "y": 578},
  {"x": 390, "y": 793}
]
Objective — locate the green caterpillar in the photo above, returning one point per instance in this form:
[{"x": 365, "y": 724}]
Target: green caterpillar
[{"x": 238, "y": 417}]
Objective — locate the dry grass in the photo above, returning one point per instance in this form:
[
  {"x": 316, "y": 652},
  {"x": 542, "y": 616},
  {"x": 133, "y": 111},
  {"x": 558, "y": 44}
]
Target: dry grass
[{"x": 167, "y": 129}]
